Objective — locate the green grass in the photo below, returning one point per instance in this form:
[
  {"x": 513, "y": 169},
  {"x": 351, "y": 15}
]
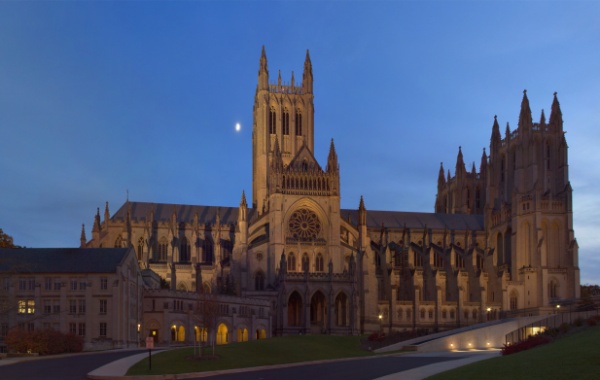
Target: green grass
[
  {"x": 288, "y": 349},
  {"x": 573, "y": 357}
]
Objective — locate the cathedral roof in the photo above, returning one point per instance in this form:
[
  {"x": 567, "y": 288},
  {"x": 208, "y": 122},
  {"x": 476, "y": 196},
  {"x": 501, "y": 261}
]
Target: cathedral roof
[
  {"x": 61, "y": 260},
  {"x": 185, "y": 213},
  {"x": 229, "y": 215},
  {"x": 401, "y": 219}
]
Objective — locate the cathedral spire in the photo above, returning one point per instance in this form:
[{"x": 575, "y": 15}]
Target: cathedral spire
[
  {"x": 483, "y": 164},
  {"x": 525, "y": 120},
  {"x": 307, "y": 75},
  {"x": 106, "y": 216},
  {"x": 362, "y": 213},
  {"x": 243, "y": 201},
  {"x": 96, "y": 227},
  {"x": 542, "y": 120},
  {"x": 243, "y": 208},
  {"x": 496, "y": 137},
  {"x": 332, "y": 159},
  {"x": 460, "y": 164},
  {"x": 441, "y": 177},
  {"x": 556, "y": 120},
  {"x": 82, "y": 238},
  {"x": 263, "y": 71}
]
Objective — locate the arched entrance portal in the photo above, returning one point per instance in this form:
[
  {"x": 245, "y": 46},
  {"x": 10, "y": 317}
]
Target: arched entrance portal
[
  {"x": 295, "y": 310},
  {"x": 341, "y": 304},
  {"x": 222, "y": 336},
  {"x": 318, "y": 313}
]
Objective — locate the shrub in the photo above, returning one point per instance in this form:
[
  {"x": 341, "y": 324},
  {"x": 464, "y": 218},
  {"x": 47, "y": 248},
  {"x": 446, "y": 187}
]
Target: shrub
[
  {"x": 563, "y": 328},
  {"x": 526, "y": 344},
  {"x": 578, "y": 322},
  {"x": 43, "y": 342}
]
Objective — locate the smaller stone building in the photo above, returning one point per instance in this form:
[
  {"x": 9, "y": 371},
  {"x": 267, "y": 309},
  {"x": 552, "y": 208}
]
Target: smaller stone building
[
  {"x": 94, "y": 293},
  {"x": 182, "y": 317}
]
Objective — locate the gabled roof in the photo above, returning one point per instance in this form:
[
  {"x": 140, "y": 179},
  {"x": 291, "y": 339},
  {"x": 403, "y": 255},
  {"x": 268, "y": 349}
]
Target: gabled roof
[
  {"x": 61, "y": 260},
  {"x": 304, "y": 155}
]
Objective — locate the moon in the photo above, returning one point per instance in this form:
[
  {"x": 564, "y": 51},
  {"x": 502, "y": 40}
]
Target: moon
[{"x": 238, "y": 127}]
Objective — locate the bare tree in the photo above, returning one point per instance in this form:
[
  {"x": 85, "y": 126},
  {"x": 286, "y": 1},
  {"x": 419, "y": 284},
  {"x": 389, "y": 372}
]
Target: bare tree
[{"x": 207, "y": 313}]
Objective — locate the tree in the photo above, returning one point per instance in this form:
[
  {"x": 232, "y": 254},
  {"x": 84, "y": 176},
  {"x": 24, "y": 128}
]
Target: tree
[
  {"x": 207, "y": 311},
  {"x": 6, "y": 241}
]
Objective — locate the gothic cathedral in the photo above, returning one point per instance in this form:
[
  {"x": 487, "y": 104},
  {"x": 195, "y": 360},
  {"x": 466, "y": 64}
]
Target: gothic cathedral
[{"x": 500, "y": 242}]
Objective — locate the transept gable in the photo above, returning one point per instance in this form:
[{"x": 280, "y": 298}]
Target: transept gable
[{"x": 305, "y": 161}]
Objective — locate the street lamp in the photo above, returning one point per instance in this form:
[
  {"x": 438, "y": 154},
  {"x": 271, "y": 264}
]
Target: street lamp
[
  {"x": 489, "y": 310},
  {"x": 380, "y": 324},
  {"x": 138, "y": 332},
  {"x": 174, "y": 335}
]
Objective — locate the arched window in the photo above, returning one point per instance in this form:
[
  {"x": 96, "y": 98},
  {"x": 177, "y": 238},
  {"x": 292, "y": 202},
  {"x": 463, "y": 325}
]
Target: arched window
[
  {"x": 163, "y": 248},
  {"x": 298, "y": 123},
  {"x": 460, "y": 261},
  {"x": 118, "y": 242},
  {"x": 514, "y": 300},
  {"x": 140, "y": 248},
  {"x": 272, "y": 122},
  {"x": 222, "y": 335},
  {"x": 259, "y": 281},
  {"x": 452, "y": 314},
  {"x": 422, "y": 313},
  {"x": 305, "y": 262},
  {"x": 319, "y": 263},
  {"x": 207, "y": 251},
  {"x": 291, "y": 262},
  {"x": 184, "y": 250},
  {"x": 474, "y": 313},
  {"x": 286, "y": 122},
  {"x": 553, "y": 289},
  {"x": 341, "y": 309},
  {"x": 399, "y": 313},
  {"x": 444, "y": 314}
]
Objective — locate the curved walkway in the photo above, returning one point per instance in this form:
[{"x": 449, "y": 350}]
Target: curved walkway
[{"x": 117, "y": 369}]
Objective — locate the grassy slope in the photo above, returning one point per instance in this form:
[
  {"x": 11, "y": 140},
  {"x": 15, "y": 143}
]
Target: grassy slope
[
  {"x": 574, "y": 357},
  {"x": 289, "y": 349}
]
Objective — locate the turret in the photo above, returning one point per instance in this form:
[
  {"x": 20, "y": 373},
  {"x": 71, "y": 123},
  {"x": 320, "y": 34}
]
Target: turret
[
  {"x": 525, "y": 121},
  {"x": 307, "y": 76},
  {"x": 82, "y": 238},
  {"x": 277, "y": 165},
  {"x": 362, "y": 213},
  {"x": 263, "y": 72},
  {"x": 483, "y": 167},
  {"x": 332, "y": 159},
  {"x": 496, "y": 139},
  {"x": 460, "y": 164},
  {"x": 556, "y": 120},
  {"x": 106, "y": 217},
  {"x": 441, "y": 178}
]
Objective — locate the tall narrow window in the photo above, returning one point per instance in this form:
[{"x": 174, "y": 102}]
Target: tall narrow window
[
  {"x": 305, "y": 262},
  {"x": 298, "y": 123},
  {"x": 286, "y": 122},
  {"x": 140, "y": 250},
  {"x": 259, "y": 281},
  {"x": 272, "y": 122},
  {"x": 291, "y": 262},
  {"x": 163, "y": 247},
  {"x": 184, "y": 250},
  {"x": 319, "y": 263}
]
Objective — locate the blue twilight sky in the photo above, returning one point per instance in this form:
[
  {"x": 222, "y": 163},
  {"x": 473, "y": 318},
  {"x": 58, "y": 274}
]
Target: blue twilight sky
[{"x": 98, "y": 98}]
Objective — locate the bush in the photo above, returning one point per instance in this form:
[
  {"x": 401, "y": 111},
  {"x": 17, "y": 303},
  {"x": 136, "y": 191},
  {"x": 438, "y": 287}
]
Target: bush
[
  {"x": 43, "y": 342},
  {"x": 526, "y": 344}
]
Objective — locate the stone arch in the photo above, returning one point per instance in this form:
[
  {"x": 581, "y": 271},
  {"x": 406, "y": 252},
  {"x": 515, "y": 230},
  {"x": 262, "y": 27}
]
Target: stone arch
[
  {"x": 513, "y": 300},
  {"x": 222, "y": 334},
  {"x": 341, "y": 309},
  {"x": 318, "y": 310},
  {"x": 242, "y": 333},
  {"x": 308, "y": 203},
  {"x": 294, "y": 309},
  {"x": 261, "y": 333},
  {"x": 181, "y": 333},
  {"x": 553, "y": 289}
]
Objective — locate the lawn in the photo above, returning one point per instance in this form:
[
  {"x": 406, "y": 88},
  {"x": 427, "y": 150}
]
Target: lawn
[
  {"x": 576, "y": 356},
  {"x": 288, "y": 349}
]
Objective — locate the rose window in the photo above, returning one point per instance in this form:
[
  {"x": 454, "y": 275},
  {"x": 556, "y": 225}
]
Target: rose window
[{"x": 304, "y": 225}]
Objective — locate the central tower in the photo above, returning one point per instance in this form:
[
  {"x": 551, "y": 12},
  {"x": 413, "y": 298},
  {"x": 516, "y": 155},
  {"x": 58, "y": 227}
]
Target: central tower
[{"x": 283, "y": 115}]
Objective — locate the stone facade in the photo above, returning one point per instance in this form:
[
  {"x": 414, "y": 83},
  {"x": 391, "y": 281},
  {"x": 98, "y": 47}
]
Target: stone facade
[
  {"x": 501, "y": 239},
  {"x": 93, "y": 293}
]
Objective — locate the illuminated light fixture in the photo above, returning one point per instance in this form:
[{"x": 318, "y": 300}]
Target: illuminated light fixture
[
  {"x": 380, "y": 316},
  {"x": 558, "y": 306},
  {"x": 139, "y": 325},
  {"x": 488, "y": 343},
  {"x": 469, "y": 344},
  {"x": 489, "y": 309},
  {"x": 451, "y": 344}
]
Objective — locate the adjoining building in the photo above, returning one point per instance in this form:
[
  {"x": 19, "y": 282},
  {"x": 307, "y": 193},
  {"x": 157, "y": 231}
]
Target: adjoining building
[
  {"x": 501, "y": 239},
  {"x": 93, "y": 293}
]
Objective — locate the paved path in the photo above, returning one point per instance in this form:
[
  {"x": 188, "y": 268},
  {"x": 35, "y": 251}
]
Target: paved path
[{"x": 389, "y": 367}]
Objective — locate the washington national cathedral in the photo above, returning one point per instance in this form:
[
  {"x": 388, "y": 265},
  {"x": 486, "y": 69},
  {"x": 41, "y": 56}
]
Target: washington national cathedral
[{"x": 499, "y": 243}]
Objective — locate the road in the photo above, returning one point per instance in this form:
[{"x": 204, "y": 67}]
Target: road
[{"x": 71, "y": 367}]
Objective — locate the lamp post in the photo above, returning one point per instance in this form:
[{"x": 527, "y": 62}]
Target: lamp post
[
  {"x": 138, "y": 333},
  {"x": 174, "y": 335},
  {"x": 380, "y": 323},
  {"x": 489, "y": 311}
]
